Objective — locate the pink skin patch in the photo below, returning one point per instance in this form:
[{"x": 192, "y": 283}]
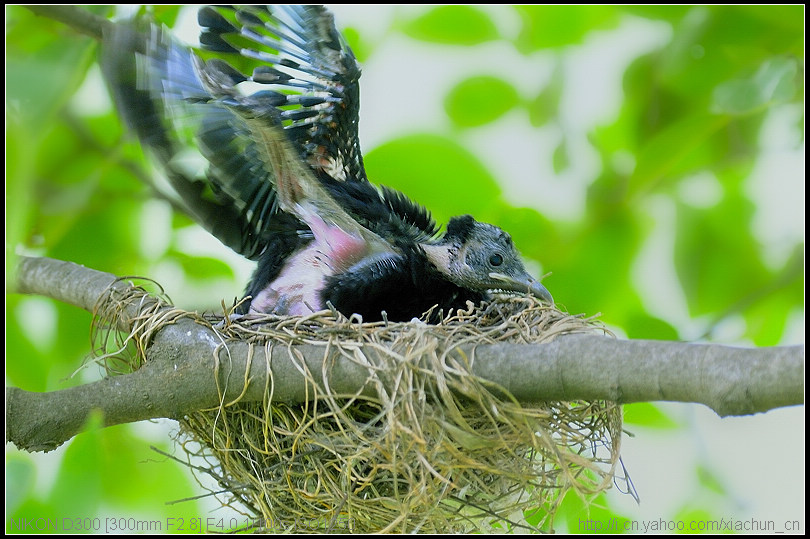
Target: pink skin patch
[
  {"x": 297, "y": 289},
  {"x": 340, "y": 248}
]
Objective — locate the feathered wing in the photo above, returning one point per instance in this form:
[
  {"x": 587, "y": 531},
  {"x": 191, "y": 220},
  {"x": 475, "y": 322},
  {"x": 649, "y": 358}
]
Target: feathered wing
[
  {"x": 300, "y": 102},
  {"x": 299, "y": 65}
]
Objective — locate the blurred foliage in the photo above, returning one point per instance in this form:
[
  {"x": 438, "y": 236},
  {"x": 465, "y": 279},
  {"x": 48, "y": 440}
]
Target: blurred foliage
[
  {"x": 557, "y": 26},
  {"x": 480, "y": 100},
  {"x": 456, "y": 25},
  {"x": 696, "y": 105}
]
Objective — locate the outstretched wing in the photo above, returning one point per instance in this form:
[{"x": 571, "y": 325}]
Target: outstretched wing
[
  {"x": 300, "y": 65},
  {"x": 302, "y": 81}
]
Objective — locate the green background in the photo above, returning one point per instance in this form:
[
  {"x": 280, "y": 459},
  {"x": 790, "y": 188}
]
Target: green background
[{"x": 650, "y": 158}]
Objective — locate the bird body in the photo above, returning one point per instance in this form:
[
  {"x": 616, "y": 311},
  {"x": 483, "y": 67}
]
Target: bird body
[{"x": 285, "y": 183}]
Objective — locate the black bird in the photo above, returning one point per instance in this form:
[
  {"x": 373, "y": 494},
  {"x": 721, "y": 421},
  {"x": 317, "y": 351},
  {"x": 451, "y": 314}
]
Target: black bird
[{"x": 283, "y": 180}]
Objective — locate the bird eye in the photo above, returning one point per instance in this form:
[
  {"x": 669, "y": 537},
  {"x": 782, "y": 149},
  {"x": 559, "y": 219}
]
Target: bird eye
[{"x": 496, "y": 259}]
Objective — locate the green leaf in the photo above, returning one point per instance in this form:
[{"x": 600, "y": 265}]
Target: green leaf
[
  {"x": 685, "y": 146},
  {"x": 103, "y": 238},
  {"x": 593, "y": 270},
  {"x": 546, "y": 105},
  {"x": 180, "y": 220},
  {"x": 166, "y": 14},
  {"x": 139, "y": 469},
  {"x": 109, "y": 467},
  {"x": 34, "y": 517},
  {"x": 480, "y": 100},
  {"x": 709, "y": 480},
  {"x": 436, "y": 172},
  {"x": 21, "y": 473},
  {"x": 640, "y": 325},
  {"x": 716, "y": 257},
  {"x": 559, "y": 158},
  {"x": 589, "y": 518},
  {"x": 682, "y": 521},
  {"x": 715, "y": 44},
  {"x": 455, "y": 25},
  {"x": 27, "y": 366},
  {"x": 773, "y": 83},
  {"x": 360, "y": 47},
  {"x": 645, "y": 414},
  {"x": 782, "y": 18},
  {"x": 668, "y": 13},
  {"x": 73, "y": 329},
  {"x": 20, "y": 166},
  {"x": 766, "y": 319},
  {"x": 78, "y": 484},
  {"x": 534, "y": 235},
  {"x": 200, "y": 267},
  {"x": 43, "y": 68},
  {"x": 556, "y": 26}
]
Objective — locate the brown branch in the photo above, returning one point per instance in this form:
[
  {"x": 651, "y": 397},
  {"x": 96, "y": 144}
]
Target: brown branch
[{"x": 186, "y": 370}]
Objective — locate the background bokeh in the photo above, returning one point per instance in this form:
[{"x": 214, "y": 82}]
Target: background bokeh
[{"x": 650, "y": 158}]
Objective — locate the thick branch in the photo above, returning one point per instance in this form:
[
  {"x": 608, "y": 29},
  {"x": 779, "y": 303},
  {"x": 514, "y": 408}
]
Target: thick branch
[
  {"x": 64, "y": 281},
  {"x": 186, "y": 371},
  {"x": 75, "y": 285}
]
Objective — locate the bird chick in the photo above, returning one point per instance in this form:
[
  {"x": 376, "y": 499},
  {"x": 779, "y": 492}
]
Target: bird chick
[{"x": 285, "y": 183}]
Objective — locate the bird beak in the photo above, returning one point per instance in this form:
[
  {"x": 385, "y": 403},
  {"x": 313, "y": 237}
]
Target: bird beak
[{"x": 523, "y": 283}]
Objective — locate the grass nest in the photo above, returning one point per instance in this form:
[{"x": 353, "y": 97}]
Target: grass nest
[{"x": 438, "y": 450}]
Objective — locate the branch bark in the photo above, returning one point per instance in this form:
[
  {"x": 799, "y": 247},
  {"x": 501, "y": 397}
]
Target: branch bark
[{"x": 187, "y": 371}]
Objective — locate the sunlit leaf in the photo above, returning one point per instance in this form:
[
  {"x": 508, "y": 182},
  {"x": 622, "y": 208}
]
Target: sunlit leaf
[
  {"x": 114, "y": 239},
  {"x": 671, "y": 13},
  {"x": 548, "y": 26},
  {"x": 593, "y": 269},
  {"x": 645, "y": 414},
  {"x": 137, "y": 468},
  {"x": 20, "y": 186},
  {"x": 78, "y": 484},
  {"x": 479, "y": 100},
  {"x": 546, "y": 105},
  {"x": 773, "y": 83},
  {"x": 436, "y": 172},
  {"x": 559, "y": 158},
  {"x": 197, "y": 267},
  {"x": 73, "y": 328},
  {"x": 714, "y": 45},
  {"x": 33, "y": 367},
  {"x": 644, "y": 326},
  {"x": 21, "y": 473},
  {"x": 716, "y": 257},
  {"x": 34, "y": 50},
  {"x": 181, "y": 220},
  {"x": 709, "y": 480},
  {"x": 457, "y": 25},
  {"x": 535, "y": 236},
  {"x": 691, "y": 515},
  {"x": 596, "y": 517},
  {"x": 680, "y": 148},
  {"x": 785, "y": 19},
  {"x": 28, "y": 518},
  {"x": 766, "y": 317},
  {"x": 361, "y": 49},
  {"x": 166, "y": 14}
]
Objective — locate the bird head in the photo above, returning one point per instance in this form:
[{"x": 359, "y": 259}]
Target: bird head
[{"x": 482, "y": 257}]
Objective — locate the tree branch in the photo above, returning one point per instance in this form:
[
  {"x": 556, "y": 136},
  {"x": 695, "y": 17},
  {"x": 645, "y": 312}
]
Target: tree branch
[{"x": 186, "y": 370}]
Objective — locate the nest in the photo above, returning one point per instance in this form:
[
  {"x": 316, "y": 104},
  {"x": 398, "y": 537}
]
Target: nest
[{"x": 437, "y": 450}]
